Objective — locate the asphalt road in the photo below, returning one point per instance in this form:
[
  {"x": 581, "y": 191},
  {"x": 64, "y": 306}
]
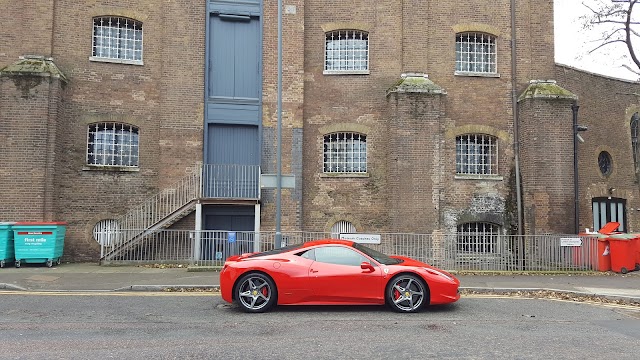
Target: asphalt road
[{"x": 202, "y": 326}]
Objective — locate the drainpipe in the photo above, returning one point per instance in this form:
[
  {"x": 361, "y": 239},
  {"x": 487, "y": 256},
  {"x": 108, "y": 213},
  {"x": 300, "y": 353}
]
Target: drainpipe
[
  {"x": 514, "y": 105},
  {"x": 576, "y": 215},
  {"x": 278, "y": 238}
]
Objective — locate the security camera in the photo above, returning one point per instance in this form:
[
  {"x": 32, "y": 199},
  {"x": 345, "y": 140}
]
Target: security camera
[{"x": 579, "y": 138}]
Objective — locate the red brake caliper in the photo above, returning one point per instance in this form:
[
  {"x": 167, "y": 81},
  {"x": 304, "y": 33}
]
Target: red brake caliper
[{"x": 265, "y": 292}]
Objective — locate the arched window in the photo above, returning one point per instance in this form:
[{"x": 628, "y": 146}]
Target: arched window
[
  {"x": 342, "y": 227},
  {"x": 345, "y": 152},
  {"x": 117, "y": 38},
  {"x": 634, "y": 139},
  {"x": 478, "y": 237},
  {"x": 475, "y": 53},
  {"x": 112, "y": 144},
  {"x": 105, "y": 232},
  {"x": 346, "y": 51}
]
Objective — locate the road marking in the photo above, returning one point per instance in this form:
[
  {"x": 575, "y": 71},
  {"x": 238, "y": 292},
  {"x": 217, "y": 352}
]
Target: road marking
[
  {"x": 107, "y": 293},
  {"x": 587, "y": 302}
]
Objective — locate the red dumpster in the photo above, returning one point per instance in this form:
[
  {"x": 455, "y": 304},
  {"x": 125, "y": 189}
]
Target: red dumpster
[{"x": 623, "y": 257}]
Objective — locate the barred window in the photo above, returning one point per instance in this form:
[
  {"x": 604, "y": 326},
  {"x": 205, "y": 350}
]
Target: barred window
[
  {"x": 342, "y": 227},
  {"x": 112, "y": 144},
  {"x": 105, "y": 232},
  {"x": 345, "y": 153},
  {"x": 117, "y": 38},
  {"x": 346, "y": 51},
  {"x": 634, "y": 140},
  {"x": 476, "y": 154},
  {"x": 475, "y": 53},
  {"x": 478, "y": 237}
]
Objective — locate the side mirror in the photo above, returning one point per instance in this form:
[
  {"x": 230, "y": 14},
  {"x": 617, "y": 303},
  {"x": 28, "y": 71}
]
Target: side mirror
[{"x": 366, "y": 266}]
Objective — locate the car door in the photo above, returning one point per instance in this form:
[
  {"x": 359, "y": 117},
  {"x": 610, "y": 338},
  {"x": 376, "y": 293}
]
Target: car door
[{"x": 336, "y": 277}]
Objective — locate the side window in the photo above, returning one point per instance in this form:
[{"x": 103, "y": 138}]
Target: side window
[
  {"x": 339, "y": 256},
  {"x": 475, "y": 53},
  {"x": 311, "y": 254},
  {"x": 112, "y": 144},
  {"x": 117, "y": 39},
  {"x": 476, "y": 154},
  {"x": 346, "y": 52},
  {"x": 345, "y": 152}
]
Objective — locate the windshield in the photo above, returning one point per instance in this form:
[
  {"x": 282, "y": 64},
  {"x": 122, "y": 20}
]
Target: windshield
[{"x": 376, "y": 255}]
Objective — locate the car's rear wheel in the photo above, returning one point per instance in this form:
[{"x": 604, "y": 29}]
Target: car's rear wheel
[
  {"x": 256, "y": 293},
  {"x": 407, "y": 293}
]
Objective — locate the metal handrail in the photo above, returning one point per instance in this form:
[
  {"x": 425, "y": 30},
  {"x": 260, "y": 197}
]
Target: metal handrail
[{"x": 207, "y": 181}]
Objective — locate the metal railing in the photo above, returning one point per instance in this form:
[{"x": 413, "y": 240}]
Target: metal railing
[
  {"x": 172, "y": 203},
  {"x": 512, "y": 253}
]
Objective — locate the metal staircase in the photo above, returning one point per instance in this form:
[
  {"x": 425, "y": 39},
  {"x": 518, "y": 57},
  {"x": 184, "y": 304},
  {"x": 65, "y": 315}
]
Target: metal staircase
[{"x": 164, "y": 209}]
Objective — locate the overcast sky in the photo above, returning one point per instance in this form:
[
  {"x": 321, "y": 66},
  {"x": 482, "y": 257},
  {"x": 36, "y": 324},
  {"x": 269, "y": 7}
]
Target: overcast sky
[{"x": 572, "y": 43}]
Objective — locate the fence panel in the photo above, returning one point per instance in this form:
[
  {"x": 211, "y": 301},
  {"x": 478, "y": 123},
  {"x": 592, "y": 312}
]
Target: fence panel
[{"x": 446, "y": 251}]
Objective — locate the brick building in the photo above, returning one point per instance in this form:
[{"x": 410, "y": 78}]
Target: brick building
[{"x": 397, "y": 116}]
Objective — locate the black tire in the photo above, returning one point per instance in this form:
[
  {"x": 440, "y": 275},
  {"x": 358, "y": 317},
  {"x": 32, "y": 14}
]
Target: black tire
[
  {"x": 255, "y": 293},
  {"x": 2, "y": 263},
  {"x": 49, "y": 263},
  {"x": 624, "y": 270},
  {"x": 637, "y": 266},
  {"x": 407, "y": 293},
  {"x": 17, "y": 263}
]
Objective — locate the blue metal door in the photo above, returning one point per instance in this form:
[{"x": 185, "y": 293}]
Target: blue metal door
[
  {"x": 234, "y": 159},
  {"x": 234, "y": 71}
]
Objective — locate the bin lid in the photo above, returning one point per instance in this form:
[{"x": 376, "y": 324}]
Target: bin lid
[
  {"x": 6, "y": 223},
  {"x": 609, "y": 228},
  {"x": 39, "y": 223}
]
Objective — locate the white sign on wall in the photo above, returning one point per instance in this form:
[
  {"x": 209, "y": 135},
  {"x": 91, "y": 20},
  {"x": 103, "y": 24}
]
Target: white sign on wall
[
  {"x": 570, "y": 241},
  {"x": 362, "y": 238}
]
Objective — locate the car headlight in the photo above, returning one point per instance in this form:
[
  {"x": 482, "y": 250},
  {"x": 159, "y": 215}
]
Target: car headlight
[{"x": 438, "y": 273}]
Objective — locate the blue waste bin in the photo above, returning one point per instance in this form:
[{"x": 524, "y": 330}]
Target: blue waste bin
[
  {"x": 38, "y": 242},
  {"x": 6, "y": 243}
]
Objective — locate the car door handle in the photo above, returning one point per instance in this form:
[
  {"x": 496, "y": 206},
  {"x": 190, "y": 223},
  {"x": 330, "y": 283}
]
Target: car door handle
[{"x": 313, "y": 271}]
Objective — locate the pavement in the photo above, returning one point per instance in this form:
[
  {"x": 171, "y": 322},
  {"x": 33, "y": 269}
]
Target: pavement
[{"x": 93, "y": 277}]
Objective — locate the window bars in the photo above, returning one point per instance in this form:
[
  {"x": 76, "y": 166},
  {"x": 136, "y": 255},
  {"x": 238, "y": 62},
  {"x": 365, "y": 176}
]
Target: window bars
[
  {"x": 476, "y": 154},
  {"x": 345, "y": 153},
  {"x": 105, "y": 232},
  {"x": 117, "y": 38},
  {"x": 346, "y": 51},
  {"x": 342, "y": 227},
  {"x": 112, "y": 144},
  {"x": 475, "y": 53},
  {"x": 478, "y": 237}
]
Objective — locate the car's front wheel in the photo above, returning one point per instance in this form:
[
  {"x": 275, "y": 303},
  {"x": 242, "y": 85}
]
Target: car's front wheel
[
  {"x": 256, "y": 293},
  {"x": 407, "y": 293}
]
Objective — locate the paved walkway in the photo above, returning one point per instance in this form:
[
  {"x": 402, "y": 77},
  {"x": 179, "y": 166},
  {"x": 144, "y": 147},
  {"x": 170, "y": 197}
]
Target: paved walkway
[{"x": 90, "y": 276}]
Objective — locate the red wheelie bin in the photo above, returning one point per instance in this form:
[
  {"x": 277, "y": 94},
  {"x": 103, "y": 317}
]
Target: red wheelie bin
[{"x": 623, "y": 252}]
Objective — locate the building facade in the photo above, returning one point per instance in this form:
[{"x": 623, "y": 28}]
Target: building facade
[{"x": 397, "y": 116}]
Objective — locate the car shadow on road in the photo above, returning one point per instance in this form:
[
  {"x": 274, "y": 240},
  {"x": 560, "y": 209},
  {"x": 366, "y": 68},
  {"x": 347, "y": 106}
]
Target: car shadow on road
[{"x": 336, "y": 309}]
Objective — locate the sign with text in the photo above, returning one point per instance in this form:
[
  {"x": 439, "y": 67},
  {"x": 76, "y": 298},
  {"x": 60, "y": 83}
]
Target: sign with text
[
  {"x": 362, "y": 238},
  {"x": 570, "y": 241}
]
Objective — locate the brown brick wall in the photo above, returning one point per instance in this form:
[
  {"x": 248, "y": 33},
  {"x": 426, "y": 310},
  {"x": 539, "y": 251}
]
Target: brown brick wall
[
  {"x": 606, "y": 106},
  {"x": 28, "y": 137},
  {"x": 26, "y": 29},
  {"x": 546, "y": 144}
]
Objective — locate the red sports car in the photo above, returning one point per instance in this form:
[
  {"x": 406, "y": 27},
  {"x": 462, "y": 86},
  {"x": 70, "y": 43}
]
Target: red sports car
[{"x": 333, "y": 272}]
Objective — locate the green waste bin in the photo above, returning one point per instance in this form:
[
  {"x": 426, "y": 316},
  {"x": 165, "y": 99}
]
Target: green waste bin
[
  {"x": 6, "y": 243},
  {"x": 38, "y": 242}
]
